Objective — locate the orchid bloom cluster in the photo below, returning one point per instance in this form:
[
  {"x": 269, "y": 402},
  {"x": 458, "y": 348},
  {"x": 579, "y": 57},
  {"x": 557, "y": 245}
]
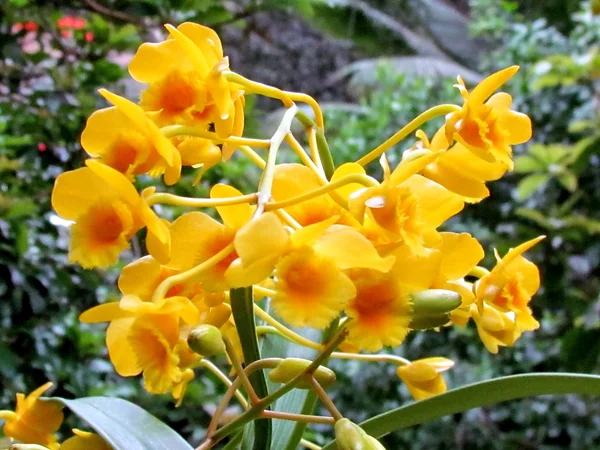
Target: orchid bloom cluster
[{"x": 328, "y": 248}]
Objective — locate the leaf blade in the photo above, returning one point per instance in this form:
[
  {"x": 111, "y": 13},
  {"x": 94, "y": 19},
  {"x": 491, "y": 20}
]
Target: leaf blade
[
  {"x": 127, "y": 427},
  {"x": 479, "y": 394}
]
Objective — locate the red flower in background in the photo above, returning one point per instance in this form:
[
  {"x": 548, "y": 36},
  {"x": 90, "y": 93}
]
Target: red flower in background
[
  {"x": 68, "y": 23},
  {"x": 27, "y": 26}
]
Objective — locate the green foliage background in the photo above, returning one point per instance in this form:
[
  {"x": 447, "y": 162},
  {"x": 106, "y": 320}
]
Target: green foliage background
[{"x": 379, "y": 63}]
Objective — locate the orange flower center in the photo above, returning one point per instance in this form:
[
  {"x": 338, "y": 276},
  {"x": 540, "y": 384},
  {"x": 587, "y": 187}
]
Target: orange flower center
[
  {"x": 376, "y": 298},
  {"x": 132, "y": 152},
  {"x": 177, "y": 92}
]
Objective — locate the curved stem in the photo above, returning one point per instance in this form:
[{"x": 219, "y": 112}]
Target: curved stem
[
  {"x": 163, "y": 288},
  {"x": 322, "y": 146},
  {"x": 180, "y": 130},
  {"x": 335, "y": 413},
  {"x": 314, "y": 150},
  {"x": 285, "y": 331},
  {"x": 297, "y": 417},
  {"x": 266, "y": 181},
  {"x": 254, "y": 157},
  {"x": 256, "y": 410},
  {"x": 171, "y": 199},
  {"x": 297, "y": 147},
  {"x": 237, "y": 365},
  {"x": 223, "y": 379},
  {"x": 286, "y": 97},
  {"x": 360, "y": 178},
  {"x": 214, "y": 421},
  {"x": 310, "y": 445},
  {"x": 412, "y": 126}
]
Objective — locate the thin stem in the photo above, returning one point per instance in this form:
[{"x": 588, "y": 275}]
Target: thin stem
[
  {"x": 253, "y": 87},
  {"x": 288, "y": 219},
  {"x": 171, "y": 199},
  {"x": 306, "y": 418},
  {"x": 180, "y": 130},
  {"x": 214, "y": 421},
  {"x": 393, "y": 359},
  {"x": 310, "y": 445},
  {"x": 255, "y": 411},
  {"x": 322, "y": 146},
  {"x": 289, "y": 334},
  {"x": 237, "y": 365},
  {"x": 266, "y": 181},
  {"x": 164, "y": 287},
  {"x": 412, "y": 126},
  {"x": 335, "y": 413},
  {"x": 286, "y": 97},
  {"x": 314, "y": 150},
  {"x": 224, "y": 379},
  {"x": 254, "y": 157},
  {"x": 297, "y": 147},
  {"x": 479, "y": 272},
  {"x": 360, "y": 178}
]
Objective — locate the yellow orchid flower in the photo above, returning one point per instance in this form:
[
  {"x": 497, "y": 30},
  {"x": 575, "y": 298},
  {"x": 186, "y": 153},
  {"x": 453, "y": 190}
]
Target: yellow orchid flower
[
  {"x": 443, "y": 267},
  {"x": 292, "y": 180},
  {"x": 495, "y": 328},
  {"x": 405, "y": 209},
  {"x": 124, "y": 138},
  {"x": 107, "y": 212},
  {"x": 84, "y": 440},
  {"x": 381, "y": 310},
  {"x": 457, "y": 168},
  {"x": 186, "y": 83},
  {"x": 34, "y": 421},
  {"x": 423, "y": 377},
  {"x": 197, "y": 237},
  {"x": 511, "y": 284},
  {"x": 311, "y": 286},
  {"x": 489, "y": 129}
]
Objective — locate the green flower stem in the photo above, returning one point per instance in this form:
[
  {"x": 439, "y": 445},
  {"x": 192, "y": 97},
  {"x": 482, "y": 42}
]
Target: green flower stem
[
  {"x": 412, "y": 126},
  {"x": 335, "y": 413},
  {"x": 224, "y": 379},
  {"x": 322, "y": 146},
  {"x": 237, "y": 365},
  {"x": 255, "y": 411},
  {"x": 305, "y": 418},
  {"x": 266, "y": 181},
  {"x": 180, "y": 130},
  {"x": 477, "y": 395}
]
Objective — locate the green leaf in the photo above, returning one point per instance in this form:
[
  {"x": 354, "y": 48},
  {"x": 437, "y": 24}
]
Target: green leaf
[
  {"x": 242, "y": 308},
  {"x": 527, "y": 163},
  {"x": 568, "y": 180},
  {"x": 125, "y": 426},
  {"x": 480, "y": 394},
  {"x": 530, "y": 184}
]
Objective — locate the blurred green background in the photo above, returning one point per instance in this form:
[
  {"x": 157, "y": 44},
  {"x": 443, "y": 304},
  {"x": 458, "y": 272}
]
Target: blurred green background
[{"x": 373, "y": 65}]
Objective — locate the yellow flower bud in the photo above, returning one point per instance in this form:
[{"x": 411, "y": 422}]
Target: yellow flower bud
[
  {"x": 289, "y": 368},
  {"x": 206, "y": 340},
  {"x": 350, "y": 436}
]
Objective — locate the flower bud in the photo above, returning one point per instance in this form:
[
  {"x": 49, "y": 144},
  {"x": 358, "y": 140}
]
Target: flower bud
[
  {"x": 350, "y": 436},
  {"x": 428, "y": 322},
  {"x": 289, "y": 368},
  {"x": 206, "y": 340},
  {"x": 433, "y": 302}
]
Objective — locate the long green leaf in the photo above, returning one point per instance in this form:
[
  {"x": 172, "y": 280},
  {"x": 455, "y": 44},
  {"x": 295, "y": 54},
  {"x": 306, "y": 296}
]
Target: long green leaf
[
  {"x": 242, "y": 308},
  {"x": 125, "y": 426},
  {"x": 477, "y": 395}
]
